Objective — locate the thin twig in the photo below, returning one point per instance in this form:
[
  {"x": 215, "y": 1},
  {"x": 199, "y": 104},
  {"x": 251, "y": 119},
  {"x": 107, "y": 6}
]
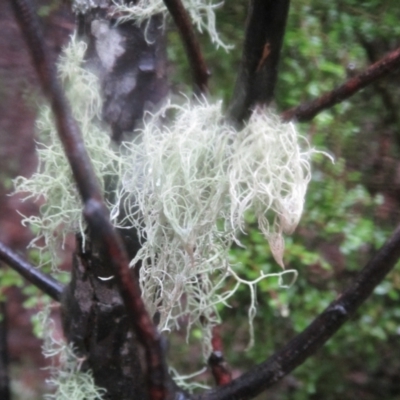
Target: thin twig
[
  {"x": 95, "y": 211},
  {"x": 307, "y": 111},
  {"x": 219, "y": 369},
  {"x": 316, "y": 334},
  {"x": 191, "y": 44},
  {"x": 256, "y": 81},
  {"x": 44, "y": 282}
]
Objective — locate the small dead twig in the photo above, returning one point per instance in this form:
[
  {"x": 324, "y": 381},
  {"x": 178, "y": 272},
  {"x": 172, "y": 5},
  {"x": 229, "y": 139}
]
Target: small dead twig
[
  {"x": 307, "y": 111},
  {"x": 198, "y": 66},
  {"x": 44, "y": 282}
]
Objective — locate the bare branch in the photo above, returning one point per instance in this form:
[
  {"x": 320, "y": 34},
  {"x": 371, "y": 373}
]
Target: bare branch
[
  {"x": 316, "y": 334},
  {"x": 216, "y": 361},
  {"x": 95, "y": 211},
  {"x": 259, "y": 67},
  {"x": 192, "y": 47},
  {"x": 44, "y": 282},
  {"x": 307, "y": 111}
]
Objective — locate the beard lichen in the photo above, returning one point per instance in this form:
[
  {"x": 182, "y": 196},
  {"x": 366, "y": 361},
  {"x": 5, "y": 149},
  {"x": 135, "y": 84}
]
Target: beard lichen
[
  {"x": 187, "y": 188},
  {"x": 201, "y": 12},
  {"x": 186, "y": 183},
  {"x": 61, "y": 212}
]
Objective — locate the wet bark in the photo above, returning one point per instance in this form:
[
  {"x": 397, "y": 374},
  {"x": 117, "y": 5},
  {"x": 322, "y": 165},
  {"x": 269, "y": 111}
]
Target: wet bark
[
  {"x": 96, "y": 324},
  {"x": 130, "y": 61}
]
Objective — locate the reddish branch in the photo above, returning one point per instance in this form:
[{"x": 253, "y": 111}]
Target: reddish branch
[
  {"x": 256, "y": 81},
  {"x": 95, "y": 211},
  {"x": 44, "y": 282},
  {"x": 307, "y": 111},
  {"x": 316, "y": 334},
  {"x": 192, "y": 47},
  {"x": 216, "y": 361}
]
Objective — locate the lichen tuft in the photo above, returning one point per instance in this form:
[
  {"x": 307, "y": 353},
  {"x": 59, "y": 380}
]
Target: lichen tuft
[
  {"x": 202, "y": 13},
  {"x": 53, "y": 184},
  {"x": 187, "y": 190}
]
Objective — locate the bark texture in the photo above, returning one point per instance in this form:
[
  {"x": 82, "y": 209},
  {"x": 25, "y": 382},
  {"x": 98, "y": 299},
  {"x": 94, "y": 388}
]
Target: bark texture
[
  {"x": 130, "y": 61},
  {"x": 96, "y": 323}
]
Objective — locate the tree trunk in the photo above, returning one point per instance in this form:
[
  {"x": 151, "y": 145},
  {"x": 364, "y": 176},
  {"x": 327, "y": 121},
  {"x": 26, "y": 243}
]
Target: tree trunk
[{"x": 130, "y": 61}]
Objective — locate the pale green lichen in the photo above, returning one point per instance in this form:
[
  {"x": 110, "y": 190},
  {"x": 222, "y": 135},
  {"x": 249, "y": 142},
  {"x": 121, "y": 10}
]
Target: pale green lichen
[
  {"x": 69, "y": 382},
  {"x": 186, "y": 382},
  {"x": 269, "y": 173},
  {"x": 202, "y": 14},
  {"x": 188, "y": 187},
  {"x": 61, "y": 212}
]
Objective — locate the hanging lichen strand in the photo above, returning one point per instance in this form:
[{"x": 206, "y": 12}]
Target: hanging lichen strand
[
  {"x": 66, "y": 375},
  {"x": 189, "y": 184},
  {"x": 202, "y": 14},
  {"x": 61, "y": 212}
]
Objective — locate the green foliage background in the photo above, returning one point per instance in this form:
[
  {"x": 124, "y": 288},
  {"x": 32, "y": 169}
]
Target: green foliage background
[{"x": 351, "y": 206}]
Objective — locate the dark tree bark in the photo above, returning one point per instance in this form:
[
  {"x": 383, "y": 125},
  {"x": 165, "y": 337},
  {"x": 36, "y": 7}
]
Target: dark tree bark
[
  {"x": 258, "y": 72},
  {"x": 130, "y": 61},
  {"x": 96, "y": 324}
]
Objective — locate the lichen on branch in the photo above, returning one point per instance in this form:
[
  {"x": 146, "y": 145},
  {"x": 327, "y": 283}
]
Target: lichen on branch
[
  {"x": 202, "y": 13},
  {"x": 188, "y": 186}
]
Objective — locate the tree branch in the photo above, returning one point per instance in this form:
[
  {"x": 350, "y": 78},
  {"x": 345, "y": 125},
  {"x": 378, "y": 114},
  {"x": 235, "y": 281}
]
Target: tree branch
[
  {"x": 307, "y": 111},
  {"x": 259, "y": 67},
  {"x": 44, "y": 282},
  {"x": 316, "y": 334},
  {"x": 198, "y": 66},
  {"x": 219, "y": 369},
  {"x": 95, "y": 211}
]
